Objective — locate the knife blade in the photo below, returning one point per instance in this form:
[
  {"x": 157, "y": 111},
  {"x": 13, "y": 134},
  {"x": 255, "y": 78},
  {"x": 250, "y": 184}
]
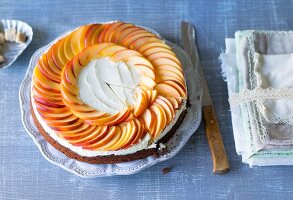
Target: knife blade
[{"x": 218, "y": 153}]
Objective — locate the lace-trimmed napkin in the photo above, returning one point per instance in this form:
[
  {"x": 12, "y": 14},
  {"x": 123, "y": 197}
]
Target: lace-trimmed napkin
[{"x": 258, "y": 66}]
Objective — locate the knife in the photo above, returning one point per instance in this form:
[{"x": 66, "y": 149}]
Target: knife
[{"x": 219, "y": 157}]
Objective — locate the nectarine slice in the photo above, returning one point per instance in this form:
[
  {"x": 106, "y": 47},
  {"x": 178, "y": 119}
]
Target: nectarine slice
[
  {"x": 98, "y": 144},
  {"x": 147, "y": 82},
  {"x": 135, "y": 36},
  {"x": 115, "y": 139},
  {"x": 167, "y": 110},
  {"x": 154, "y": 49},
  {"x": 44, "y": 81},
  {"x": 91, "y": 52},
  {"x": 78, "y": 136},
  {"x": 68, "y": 51},
  {"x": 124, "y": 33},
  {"x": 161, "y": 54},
  {"x": 110, "y": 50},
  {"x": 179, "y": 86},
  {"x": 122, "y": 55},
  {"x": 174, "y": 102},
  {"x": 89, "y": 34},
  {"x": 150, "y": 45},
  {"x": 166, "y": 61},
  {"x": 96, "y": 34},
  {"x": 141, "y": 41},
  {"x": 145, "y": 71},
  {"x": 129, "y": 134},
  {"x": 167, "y": 90},
  {"x": 68, "y": 127},
  {"x": 110, "y": 31},
  {"x": 160, "y": 118},
  {"x": 141, "y": 103},
  {"x": 99, "y": 133}
]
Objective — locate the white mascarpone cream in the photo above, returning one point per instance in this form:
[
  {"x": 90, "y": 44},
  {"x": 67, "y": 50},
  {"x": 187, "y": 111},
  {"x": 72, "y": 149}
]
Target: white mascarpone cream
[{"x": 108, "y": 86}]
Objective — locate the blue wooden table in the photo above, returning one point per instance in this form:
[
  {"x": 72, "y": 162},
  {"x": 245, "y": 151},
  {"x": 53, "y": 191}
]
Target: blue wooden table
[{"x": 25, "y": 174}]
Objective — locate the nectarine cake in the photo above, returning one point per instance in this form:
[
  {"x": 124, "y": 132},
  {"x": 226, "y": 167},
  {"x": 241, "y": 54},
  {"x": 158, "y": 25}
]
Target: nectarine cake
[{"x": 108, "y": 93}]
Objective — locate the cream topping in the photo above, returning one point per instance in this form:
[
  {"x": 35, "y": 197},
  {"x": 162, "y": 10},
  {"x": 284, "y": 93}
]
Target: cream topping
[{"x": 108, "y": 86}]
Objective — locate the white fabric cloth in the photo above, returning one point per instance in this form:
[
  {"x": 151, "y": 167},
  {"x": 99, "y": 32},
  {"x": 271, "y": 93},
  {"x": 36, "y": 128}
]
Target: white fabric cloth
[{"x": 258, "y": 62}]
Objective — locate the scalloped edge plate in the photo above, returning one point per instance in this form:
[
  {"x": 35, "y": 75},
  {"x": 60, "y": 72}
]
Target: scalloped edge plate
[{"x": 85, "y": 170}]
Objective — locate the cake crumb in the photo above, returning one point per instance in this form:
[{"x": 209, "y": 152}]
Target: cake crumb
[
  {"x": 1, "y": 59},
  {"x": 10, "y": 34},
  {"x": 166, "y": 170},
  {"x": 2, "y": 38},
  {"x": 20, "y": 37}
]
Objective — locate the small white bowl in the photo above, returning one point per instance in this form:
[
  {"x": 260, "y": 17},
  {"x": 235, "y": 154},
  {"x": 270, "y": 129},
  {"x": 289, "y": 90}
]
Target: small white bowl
[{"x": 12, "y": 50}]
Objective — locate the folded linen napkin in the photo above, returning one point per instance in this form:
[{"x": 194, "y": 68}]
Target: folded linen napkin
[{"x": 258, "y": 67}]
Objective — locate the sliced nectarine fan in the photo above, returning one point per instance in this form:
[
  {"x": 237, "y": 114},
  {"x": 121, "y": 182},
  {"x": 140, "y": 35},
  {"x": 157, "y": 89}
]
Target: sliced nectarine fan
[{"x": 156, "y": 96}]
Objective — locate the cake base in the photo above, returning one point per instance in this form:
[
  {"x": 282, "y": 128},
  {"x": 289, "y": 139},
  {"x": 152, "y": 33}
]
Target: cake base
[{"x": 109, "y": 159}]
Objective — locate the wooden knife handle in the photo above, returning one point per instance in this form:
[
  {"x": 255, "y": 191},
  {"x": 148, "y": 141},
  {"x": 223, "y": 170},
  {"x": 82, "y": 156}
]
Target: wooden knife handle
[{"x": 219, "y": 157}]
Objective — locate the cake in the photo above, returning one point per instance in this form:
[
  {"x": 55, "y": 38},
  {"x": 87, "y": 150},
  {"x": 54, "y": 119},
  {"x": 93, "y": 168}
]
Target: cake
[{"x": 108, "y": 93}]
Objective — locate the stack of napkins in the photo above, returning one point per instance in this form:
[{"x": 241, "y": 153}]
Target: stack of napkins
[{"x": 258, "y": 68}]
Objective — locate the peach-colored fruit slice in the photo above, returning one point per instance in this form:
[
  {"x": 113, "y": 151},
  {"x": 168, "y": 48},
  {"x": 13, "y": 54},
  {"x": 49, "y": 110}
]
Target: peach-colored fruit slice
[
  {"x": 70, "y": 98},
  {"x": 143, "y": 40},
  {"x": 96, "y": 136},
  {"x": 160, "y": 118},
  {"x": 89, "y": 34},
  {"x": 48, "y": 61},
  {"x": 147, "y": 82},
  {"x": 139, "y": 60},
  {"x": 61, "y": 55},
  {"x": 167, "y": 110},
  {"x": 63, "y": 122},
  {"x": 68, "y": 51},
  {"x": 110, "y": 32},
  {"x": 68, "y": 127},
  {"x": 123, "y": 55},
  {"x": 91, "y": 52},
  {"x": 167, "y": 90},
  {"x": 77, "y": 40},
  {"x": 46, "y": 96},
  {"x": 179, "y": 86},
  {"x": 46, "y": 71},
  {"x": 81, "y": 128},
  {"x": 96, "y": 34},
  {"x": 155, "y": 49},
  {"x": 98, "y": 144},
  {"x": 112, "y": 119},
  {"x": 60, "y": 63},
  {"x": 168, "y": 103},
  {"x": 131, "y": 131},
  {"x": 79, "y": 136},
  {"x": 151, "y": 45},
  {"x": 166, "y": 75},
  {"x": 101, "y": 37},
  {"x": 141, "y": 103},
  {"x": 124, "y": 33},
  {"x": 174, "y": 102},
  {"x": 161, "y": 54},
  {"x": 145, "y": 71},
  {"x": 139, "y": 132},
  {"x": 44, "y": 81},
  {"x": 115, "y": 139},
  {"x": 116, "y": 33},
  {"x": 165, "y": 61},
  {"x": 135, "y": 36},
  {"x": 110, "y": 50}
]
